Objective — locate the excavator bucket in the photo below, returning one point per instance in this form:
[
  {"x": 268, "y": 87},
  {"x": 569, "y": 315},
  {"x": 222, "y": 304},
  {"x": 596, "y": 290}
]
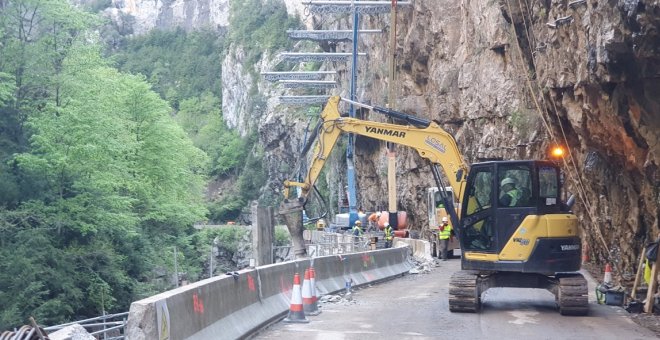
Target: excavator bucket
[{"x": 292, "y": 211}]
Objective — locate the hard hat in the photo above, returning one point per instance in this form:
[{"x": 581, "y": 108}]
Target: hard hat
[
  {"x": 321, "y": 221},
  {"x": 507, "y": 181},
  {"x": 378, "y": 214},
  {"x": 358, "y": 222},
  {"x": 444, "y": 219},
  {"x": 387, "y": 224}
]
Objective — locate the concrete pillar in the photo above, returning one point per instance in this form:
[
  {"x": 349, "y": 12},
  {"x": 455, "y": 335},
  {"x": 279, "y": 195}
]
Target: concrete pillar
[{"x": 263, "y": 234}]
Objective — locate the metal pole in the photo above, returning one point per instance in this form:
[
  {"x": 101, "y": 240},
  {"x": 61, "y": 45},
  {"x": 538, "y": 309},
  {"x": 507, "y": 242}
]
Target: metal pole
[
  {"x": 211, "y": 263},
  {"x": 391, "y": 148},
  {"x": 103, "y": 311},
  {"x": 176, "y": 268},
  {"x": 350, "y": 173}
]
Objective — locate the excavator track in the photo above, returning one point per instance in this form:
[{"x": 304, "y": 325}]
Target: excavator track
[
  {"x": 572, "y": 297},
  {"x": 464, "y": 295}
]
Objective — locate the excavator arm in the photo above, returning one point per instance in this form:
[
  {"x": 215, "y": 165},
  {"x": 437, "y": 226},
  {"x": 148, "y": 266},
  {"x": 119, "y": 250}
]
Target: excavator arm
[{"x": 428, "y": 138}]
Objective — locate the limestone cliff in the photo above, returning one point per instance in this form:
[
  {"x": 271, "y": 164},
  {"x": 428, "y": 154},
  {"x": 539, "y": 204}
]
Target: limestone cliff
[
  {"x": 145, "y": 15},
  {"x": 506, "y": 77},
  {"x": 509, "y": 78}
]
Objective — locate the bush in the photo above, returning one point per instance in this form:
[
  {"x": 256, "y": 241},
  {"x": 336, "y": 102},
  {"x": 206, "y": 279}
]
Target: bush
[
  {"x": 260, "y": 26},
  {"x": 226, "y": 209},
  {"x": 282, "y": 236}
]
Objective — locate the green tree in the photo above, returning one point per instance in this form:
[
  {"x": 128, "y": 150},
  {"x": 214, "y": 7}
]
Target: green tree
[
  {"x": 259, "y": 26},
  {"x": 179, "y": 64},
  {"x": 115, "y": 171},
  {"x": 202, "y": 119}
]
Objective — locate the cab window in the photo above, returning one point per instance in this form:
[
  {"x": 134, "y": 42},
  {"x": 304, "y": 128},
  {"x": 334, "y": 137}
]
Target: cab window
[
  {"x": 548, "y": 185},
  {"x": 478, "y": 229},
  {"x": 479, "y": 192}
]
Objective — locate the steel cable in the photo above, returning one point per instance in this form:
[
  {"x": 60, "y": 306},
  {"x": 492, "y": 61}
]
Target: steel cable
[{"x": 572, "y": 167}]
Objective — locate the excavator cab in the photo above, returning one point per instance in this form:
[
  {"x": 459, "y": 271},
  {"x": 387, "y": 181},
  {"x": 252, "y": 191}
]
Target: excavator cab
[
  {"x": 513, "y": 229},
  {"x": 512, "y": 219},
  {"x": 515, "y": 233}
]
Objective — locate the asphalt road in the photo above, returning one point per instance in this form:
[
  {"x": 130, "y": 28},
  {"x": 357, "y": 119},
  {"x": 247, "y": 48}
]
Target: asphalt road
[{"x": 415, "y": 307}]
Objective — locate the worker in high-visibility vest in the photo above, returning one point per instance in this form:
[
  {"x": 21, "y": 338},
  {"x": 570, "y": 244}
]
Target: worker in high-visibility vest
[
  {"x": 444, "y": 233},
  {"x": 320, "y": 225},
  {"x": 389, "y": 235},
  {"x": 373, "y": 221},
  {"x": 357, "y": 233},
  {"x": 509, "y": 194},
  {"x": 357, "y": 228}
]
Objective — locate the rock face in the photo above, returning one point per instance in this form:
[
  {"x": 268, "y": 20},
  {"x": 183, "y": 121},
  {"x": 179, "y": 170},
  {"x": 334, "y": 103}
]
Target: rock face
[
  {"x": 188, "y": 14},
  {"x": 163, "y": 14},
  {"x": 509, "y": 79},
  {"x": 600, "y": 71},
  {"x": 235, "y": 91}
]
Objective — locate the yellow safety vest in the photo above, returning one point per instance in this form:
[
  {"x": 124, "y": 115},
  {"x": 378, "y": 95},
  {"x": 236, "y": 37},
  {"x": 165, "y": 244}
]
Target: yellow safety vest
[
  {"x": 515, "y": 196},
  {"x": 446, "y": 233},
  {"x": 388, "y": 233},
  {"x": 357, "y": 231}
]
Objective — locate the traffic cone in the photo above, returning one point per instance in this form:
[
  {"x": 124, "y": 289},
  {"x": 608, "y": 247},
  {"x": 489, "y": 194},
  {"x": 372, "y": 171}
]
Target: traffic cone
[
  {"x": 296, "y": 313},
  {"x": 309, "y": 304},
  {"x": 312, "y": 279},
  {"x": 608, "y": 274},
  {"x": 585, "y": 252}
]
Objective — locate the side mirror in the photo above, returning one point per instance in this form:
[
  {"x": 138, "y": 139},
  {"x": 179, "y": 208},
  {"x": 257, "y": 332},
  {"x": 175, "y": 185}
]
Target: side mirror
[{"x": 459, "y": 175}]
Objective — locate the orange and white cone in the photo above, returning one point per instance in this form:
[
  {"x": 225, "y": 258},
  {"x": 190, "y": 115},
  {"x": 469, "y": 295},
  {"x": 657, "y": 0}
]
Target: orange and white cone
[
  {"x": 312, "y": 279},
  {"x": 309, "y": 305},
  {"x": 608, "y": 274},
  {"x": 296, "y": 313},
  {"x": 585, "y": 252}
]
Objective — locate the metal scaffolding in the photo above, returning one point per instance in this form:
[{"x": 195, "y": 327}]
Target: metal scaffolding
[
  {"x": 302, "y": 56},
  {"x": 314, "y": 84},
  {"x": 327, "y": 35},
  {"x": 361, "y": 7},
  {"x": 303, "y": 100},
  {"x": 305, "y": 75}
]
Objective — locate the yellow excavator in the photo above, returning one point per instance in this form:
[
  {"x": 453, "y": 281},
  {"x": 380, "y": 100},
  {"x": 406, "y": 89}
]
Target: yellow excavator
[{"x": 514, "y": 230}]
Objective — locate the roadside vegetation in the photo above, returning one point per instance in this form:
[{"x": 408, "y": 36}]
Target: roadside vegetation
[{"x": 105, "y": 156}]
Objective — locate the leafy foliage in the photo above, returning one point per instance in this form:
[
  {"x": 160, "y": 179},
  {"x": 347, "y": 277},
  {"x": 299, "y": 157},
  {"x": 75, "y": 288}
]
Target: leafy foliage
[
  {"x": 282, "y": 236},
  {"x": 97, "y": 176},
  {"x": 104, "y": 160},
  {"x": 179, "y": 64},
  {"x": 259, "y": 26},
  {"x": 202, "y": 119}
]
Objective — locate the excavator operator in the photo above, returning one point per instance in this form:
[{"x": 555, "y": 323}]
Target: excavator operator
[{"x": 509, "y": 194}]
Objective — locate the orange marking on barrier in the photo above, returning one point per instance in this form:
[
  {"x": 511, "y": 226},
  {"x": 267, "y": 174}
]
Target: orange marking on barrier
[
  {"x": 365, "y": 260},
  {"x": 250, "y": 282},
  {"x": 198, "y": 304},
  {"x": 285, "y": 288}
]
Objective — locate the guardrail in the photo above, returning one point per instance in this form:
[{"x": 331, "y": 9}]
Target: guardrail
[{"x": 106, "y": 327}]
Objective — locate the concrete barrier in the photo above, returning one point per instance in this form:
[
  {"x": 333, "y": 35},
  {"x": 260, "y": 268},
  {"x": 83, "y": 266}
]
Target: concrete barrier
[
  {"x": 421, "y": 249},
  {"x": 228, "y": 307}
]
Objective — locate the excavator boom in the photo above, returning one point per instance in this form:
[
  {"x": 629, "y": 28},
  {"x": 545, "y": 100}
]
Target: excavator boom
[
  {"x": 514, "y": 231},
  {"x": 431, "y": 142}
]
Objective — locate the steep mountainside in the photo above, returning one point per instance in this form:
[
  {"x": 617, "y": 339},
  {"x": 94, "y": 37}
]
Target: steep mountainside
[
  {"x": 145, "y": 15},
  {"x": 510, "y": 78}
]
